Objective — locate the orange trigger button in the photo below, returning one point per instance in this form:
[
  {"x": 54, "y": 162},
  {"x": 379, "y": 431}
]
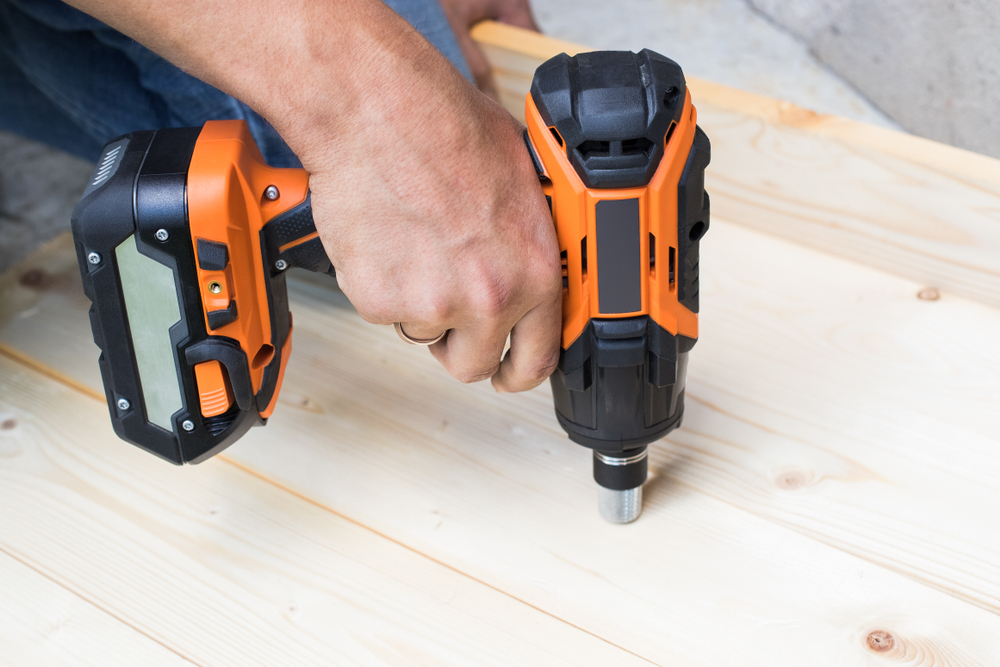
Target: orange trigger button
[{"x": 214, "y": 392}]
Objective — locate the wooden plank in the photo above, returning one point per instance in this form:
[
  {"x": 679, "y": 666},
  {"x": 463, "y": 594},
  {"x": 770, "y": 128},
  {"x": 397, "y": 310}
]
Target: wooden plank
[
  {"x": 800, "y": 431},
  {"x": 225, "y": 568},
  {"x": 824, "y": 397},
  {"x": 916, "y": 208},
  {"x": 42, "y": 624}
]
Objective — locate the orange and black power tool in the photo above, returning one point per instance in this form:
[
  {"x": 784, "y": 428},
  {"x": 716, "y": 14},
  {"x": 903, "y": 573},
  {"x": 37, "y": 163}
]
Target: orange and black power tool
[{"x": 185, "y": 236}]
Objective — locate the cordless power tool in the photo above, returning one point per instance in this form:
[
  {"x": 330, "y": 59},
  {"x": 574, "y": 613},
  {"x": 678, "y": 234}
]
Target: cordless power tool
[{"x": 185, "y": 236}]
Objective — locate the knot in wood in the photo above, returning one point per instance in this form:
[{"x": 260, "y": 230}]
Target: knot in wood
[
  {"x": 929, "y": 294},
  {"x": 789, "y": 480},
  {"x": 880, "y": 641},
  {"x": 8, "y": 425},
  {"x": 310, "y": 405},
  {"x": 792, "y": 114},
  {"x": 35, "y": 279}
]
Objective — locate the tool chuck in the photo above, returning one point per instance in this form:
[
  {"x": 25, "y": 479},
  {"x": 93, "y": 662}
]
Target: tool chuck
[
  {"x": 620, "y": 506},
  {"x": 620, "y": 479}
]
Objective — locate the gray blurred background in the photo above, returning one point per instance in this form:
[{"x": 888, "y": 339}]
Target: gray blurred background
[
  {"x": 928, "y": 67},
  {"x": 933, "y": 66}
]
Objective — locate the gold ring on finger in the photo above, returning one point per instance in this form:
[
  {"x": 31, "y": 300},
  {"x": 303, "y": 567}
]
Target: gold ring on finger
[{"x": 418, "y": 341}]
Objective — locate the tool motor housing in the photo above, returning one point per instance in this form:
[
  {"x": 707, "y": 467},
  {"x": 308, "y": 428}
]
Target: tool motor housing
[
  {"x": 183, "y": 237},
  {"x": 622, "y": 162}
]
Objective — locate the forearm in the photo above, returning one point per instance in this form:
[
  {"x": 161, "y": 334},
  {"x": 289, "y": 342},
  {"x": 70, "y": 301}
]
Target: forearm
[{"x": 310, "y": 68}]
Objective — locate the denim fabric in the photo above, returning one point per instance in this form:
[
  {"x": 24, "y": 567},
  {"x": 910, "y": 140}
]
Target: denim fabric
[{"x": 70, "y": 81}]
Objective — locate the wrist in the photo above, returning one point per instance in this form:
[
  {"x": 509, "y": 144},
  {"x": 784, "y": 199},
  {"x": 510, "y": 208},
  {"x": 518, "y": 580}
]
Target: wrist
[
  {"x": 312, "y": 69},
  {"x": 358, "y": 84}
]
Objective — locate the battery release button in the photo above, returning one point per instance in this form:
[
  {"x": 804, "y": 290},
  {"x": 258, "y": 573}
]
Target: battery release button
[{"x": 214, "y": 392}]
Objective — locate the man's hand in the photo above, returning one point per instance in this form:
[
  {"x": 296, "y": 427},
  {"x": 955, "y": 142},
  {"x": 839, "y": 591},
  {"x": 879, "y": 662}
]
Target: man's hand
[
  {"x": 433, "y": 215},
  {"x": 463, "y": 14},
  {"x": 422, "y": 188}
]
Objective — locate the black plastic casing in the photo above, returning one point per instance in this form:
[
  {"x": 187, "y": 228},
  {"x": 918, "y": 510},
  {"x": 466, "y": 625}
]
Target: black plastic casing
[
  {"x": 612, "y": 110},
  {"x": 620, "y": 385},
  {"x": 136, "y": 190},
  {"x": 145, "y": 192}
]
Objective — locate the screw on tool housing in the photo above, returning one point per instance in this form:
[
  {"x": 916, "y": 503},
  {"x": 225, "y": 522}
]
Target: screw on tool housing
[
  {"x": 162, "y": 235},
  {"x": 187, "y": 425},
  {"x": 94, "y": 258},
  {"x": 271, "y": 193},
  {"x": 123, "y": 404},
  {"x": 281, "y": 265}
]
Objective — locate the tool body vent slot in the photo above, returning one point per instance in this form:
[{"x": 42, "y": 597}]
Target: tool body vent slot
[
  {"x": 640, "y": 146},
  {"x": 652, "y": 255}
]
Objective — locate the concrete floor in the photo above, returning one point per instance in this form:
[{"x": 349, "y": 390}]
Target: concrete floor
[
  {"x": 39, "y": 187},
  {"x": 721, "y": 40},
  {"x": 930, "y": 65}
]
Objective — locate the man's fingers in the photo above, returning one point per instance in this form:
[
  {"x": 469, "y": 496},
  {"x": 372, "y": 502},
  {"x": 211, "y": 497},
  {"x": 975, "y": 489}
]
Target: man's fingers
[
  {"x": 478, "y": 65},
  {"x": 470, "y": 355},
  {"x": 534, "y": 348},
  {"x": 517, "y": 13}
]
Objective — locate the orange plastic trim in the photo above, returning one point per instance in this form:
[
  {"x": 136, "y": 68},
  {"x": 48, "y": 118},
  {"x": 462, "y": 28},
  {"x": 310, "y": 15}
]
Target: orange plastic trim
[
  {"x": 226, "y": 204},
  {"x": 286, "y": 352},
  {"x": 573, "y": 212},
  {"x": 299, "y": 241}
]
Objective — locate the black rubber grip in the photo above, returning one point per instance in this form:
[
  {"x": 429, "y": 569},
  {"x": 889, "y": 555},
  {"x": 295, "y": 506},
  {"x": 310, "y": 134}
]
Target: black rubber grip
[{"x": 286, "y": 231}]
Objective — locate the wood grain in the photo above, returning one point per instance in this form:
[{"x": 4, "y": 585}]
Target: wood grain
[
  {"x": 798, "y": 511},
  {"x": 223, "y": 567},
  {"x": 830, "y": 500},
  {"x": 42, "y": 624},
  {"x": 916, "y": 208}
]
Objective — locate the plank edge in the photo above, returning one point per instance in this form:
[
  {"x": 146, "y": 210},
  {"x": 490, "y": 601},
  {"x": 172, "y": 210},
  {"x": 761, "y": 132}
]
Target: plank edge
[{"x": 926, "y": 152}]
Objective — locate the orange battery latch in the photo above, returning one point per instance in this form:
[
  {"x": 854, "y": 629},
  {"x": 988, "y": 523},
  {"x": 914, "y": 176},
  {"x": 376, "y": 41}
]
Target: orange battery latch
[{"x": 214, "y": 392}]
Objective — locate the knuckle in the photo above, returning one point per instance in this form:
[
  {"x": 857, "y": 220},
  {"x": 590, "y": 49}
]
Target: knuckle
[
  {"x": 470, "y": 375},
  {"x": 550, "y": 267},
  {"x": 542, "y": 368},
  {"x": 491, "y": 298},
  {"x": 366, "y": 298},
  {"x": 551, "y": 282},
  {"x": 437, "y": 309},
  {"x": 371, "y": 309},
  {"x": 374, "y": 313},
  {"x": 545, "y": 273}
]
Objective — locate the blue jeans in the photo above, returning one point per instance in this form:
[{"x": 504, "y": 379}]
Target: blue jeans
[{"x": 70, "y": 81}]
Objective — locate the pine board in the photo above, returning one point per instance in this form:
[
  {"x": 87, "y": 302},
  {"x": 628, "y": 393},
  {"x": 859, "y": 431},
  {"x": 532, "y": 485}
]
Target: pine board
[
  {"x": 911, "y": 206},
  {"x": 44, "y": 625},
  {"x": 832, "y": 498},
  {"x": 225, "y": 568},
  {"x": 790, "y": 515}
]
